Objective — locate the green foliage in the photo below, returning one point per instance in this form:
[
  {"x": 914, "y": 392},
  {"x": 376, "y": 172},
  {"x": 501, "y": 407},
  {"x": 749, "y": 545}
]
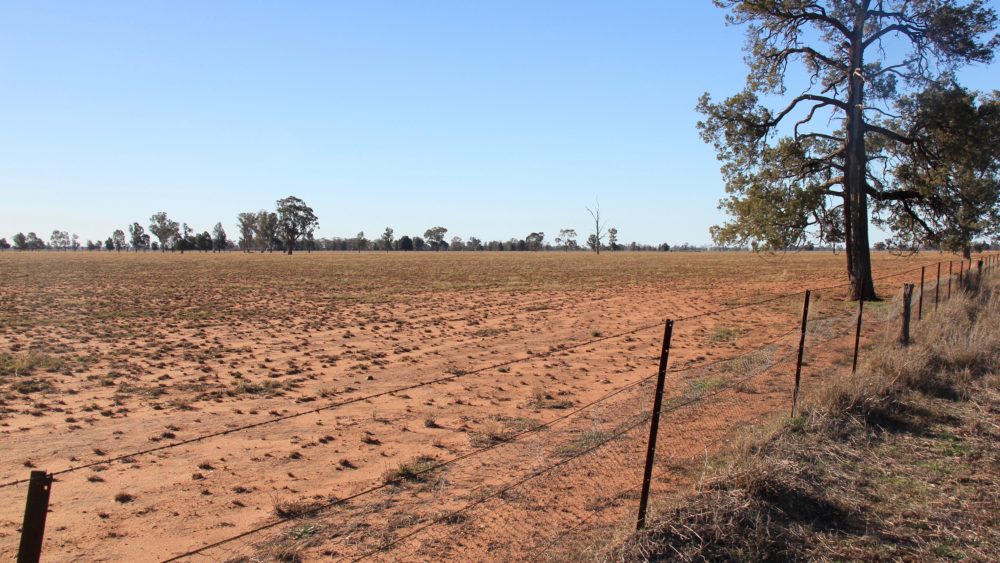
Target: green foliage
[
  {"x": 164, "y": 229},
  {"x": 265, "y": 229},
  {"x": 295, "y": 220},
  {"x": 137, "y": 236},
  {"x": 59, "y": 240},
  {"x": 118, "y": 240},
  {"x": 247, "y": 222},
  {"x": 32, "y": 242},
  {"x": 203, "y": 241},
  {"x": 435, "y": 237},
  {"x": 219, "y": 239},
  {"x": 954, "y": 166},
  {"x": 534, "y": 241},
  {"x": 387, "y": 238},
  {"x": 806, "y": 170}
]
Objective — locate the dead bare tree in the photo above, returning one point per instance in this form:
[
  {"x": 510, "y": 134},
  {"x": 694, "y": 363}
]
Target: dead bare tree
[{"x": 595, "y": 238}]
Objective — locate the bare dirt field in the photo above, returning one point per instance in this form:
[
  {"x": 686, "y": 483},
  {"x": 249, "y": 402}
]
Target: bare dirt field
[{"x": 103, "y": 354}]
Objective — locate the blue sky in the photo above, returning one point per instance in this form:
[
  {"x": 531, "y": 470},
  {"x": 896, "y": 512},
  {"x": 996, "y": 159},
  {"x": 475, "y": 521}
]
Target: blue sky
[{"x": 493, "y": 119}]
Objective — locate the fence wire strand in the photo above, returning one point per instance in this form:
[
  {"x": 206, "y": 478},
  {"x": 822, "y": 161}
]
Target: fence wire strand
[{"x": 594, "y": 451}]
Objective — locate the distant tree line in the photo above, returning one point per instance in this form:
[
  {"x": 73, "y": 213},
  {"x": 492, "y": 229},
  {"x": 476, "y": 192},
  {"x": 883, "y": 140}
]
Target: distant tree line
[
  {"x": 291, "y": 226},
  {"x": 174, "y": 238}
]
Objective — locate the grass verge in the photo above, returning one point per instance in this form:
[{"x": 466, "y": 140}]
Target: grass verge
[{"x": 899, "y": 462}]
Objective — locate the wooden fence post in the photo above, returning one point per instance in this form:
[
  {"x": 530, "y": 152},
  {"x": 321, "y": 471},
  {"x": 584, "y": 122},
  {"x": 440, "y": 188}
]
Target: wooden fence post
[
  {"x": 798, "y": 362},
  {"x": 904, "y": 336},
  {"x": 36, "y": 509},
  {"x": 654, "y": 424}
]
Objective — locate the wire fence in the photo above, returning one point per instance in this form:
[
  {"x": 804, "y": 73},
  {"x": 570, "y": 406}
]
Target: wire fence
[{"x": 562, "y": 479}]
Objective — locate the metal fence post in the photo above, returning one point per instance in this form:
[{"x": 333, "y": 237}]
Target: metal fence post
[
  {"x": 904, "y": 336},
  {"x": 950, "y": 275},
  {"x": 920, "y": 300},
  {"x": 654, "y": 424},
  {"x": 937, "y": 286},
  {"x": 798, "y": 361},
  {"x": 35, "y": 511}
]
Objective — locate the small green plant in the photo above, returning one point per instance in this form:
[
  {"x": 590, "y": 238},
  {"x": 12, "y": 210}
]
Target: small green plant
[
  {"x": 416, "y": 470},
  {"x": 303, "y": 531}
]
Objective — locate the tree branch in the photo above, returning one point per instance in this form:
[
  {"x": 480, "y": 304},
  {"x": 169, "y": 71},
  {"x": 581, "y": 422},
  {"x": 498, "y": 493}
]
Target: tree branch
[
  {"x": 909, "y": 211},
  {"x": 812, "y": 53},
  {"x": 819, "y": 136},
  {"x": 824, "y": 100},
  {"x": 890, "y": 134},
  {"x": 907, "y": 30},
  {"x": 895, "y": 195}
]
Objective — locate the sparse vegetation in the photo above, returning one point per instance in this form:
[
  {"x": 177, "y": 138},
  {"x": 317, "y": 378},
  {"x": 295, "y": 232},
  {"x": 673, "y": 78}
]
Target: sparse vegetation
[
  {"x": 158, "y": 359},
  {"x": 542, "y": 399},
  {"x": 416, "y": 470},
  {"x": 897, "y": 462},
  {"x": 294, "y": 508},
  {"x": 724, "y": 334}
]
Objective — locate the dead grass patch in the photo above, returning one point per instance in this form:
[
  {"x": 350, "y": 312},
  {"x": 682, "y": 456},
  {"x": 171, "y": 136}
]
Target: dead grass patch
[{"x": 897, "y": 463}]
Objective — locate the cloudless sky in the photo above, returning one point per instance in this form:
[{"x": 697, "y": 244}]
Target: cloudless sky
[{"x": 493, "y": 119}]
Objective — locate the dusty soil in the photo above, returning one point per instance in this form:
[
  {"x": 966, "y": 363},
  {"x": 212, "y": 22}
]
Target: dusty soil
[{"x": 106, "y": 354}]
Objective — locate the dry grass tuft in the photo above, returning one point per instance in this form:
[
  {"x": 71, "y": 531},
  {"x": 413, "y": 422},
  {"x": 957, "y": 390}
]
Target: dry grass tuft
[
  {"x": 950, "y": 348},
  {"x": 899, "y": 462},
  {"x": 417, "y": 470},
  {"x": 295, "y": 508}
]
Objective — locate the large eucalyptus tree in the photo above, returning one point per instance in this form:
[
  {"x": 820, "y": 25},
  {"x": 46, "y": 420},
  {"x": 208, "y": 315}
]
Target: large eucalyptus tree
[{"x": 799, "y": 170}]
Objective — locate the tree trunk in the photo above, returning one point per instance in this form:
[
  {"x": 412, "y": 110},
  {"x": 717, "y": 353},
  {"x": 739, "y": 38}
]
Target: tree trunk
[{"x": 859, "y": 266}]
